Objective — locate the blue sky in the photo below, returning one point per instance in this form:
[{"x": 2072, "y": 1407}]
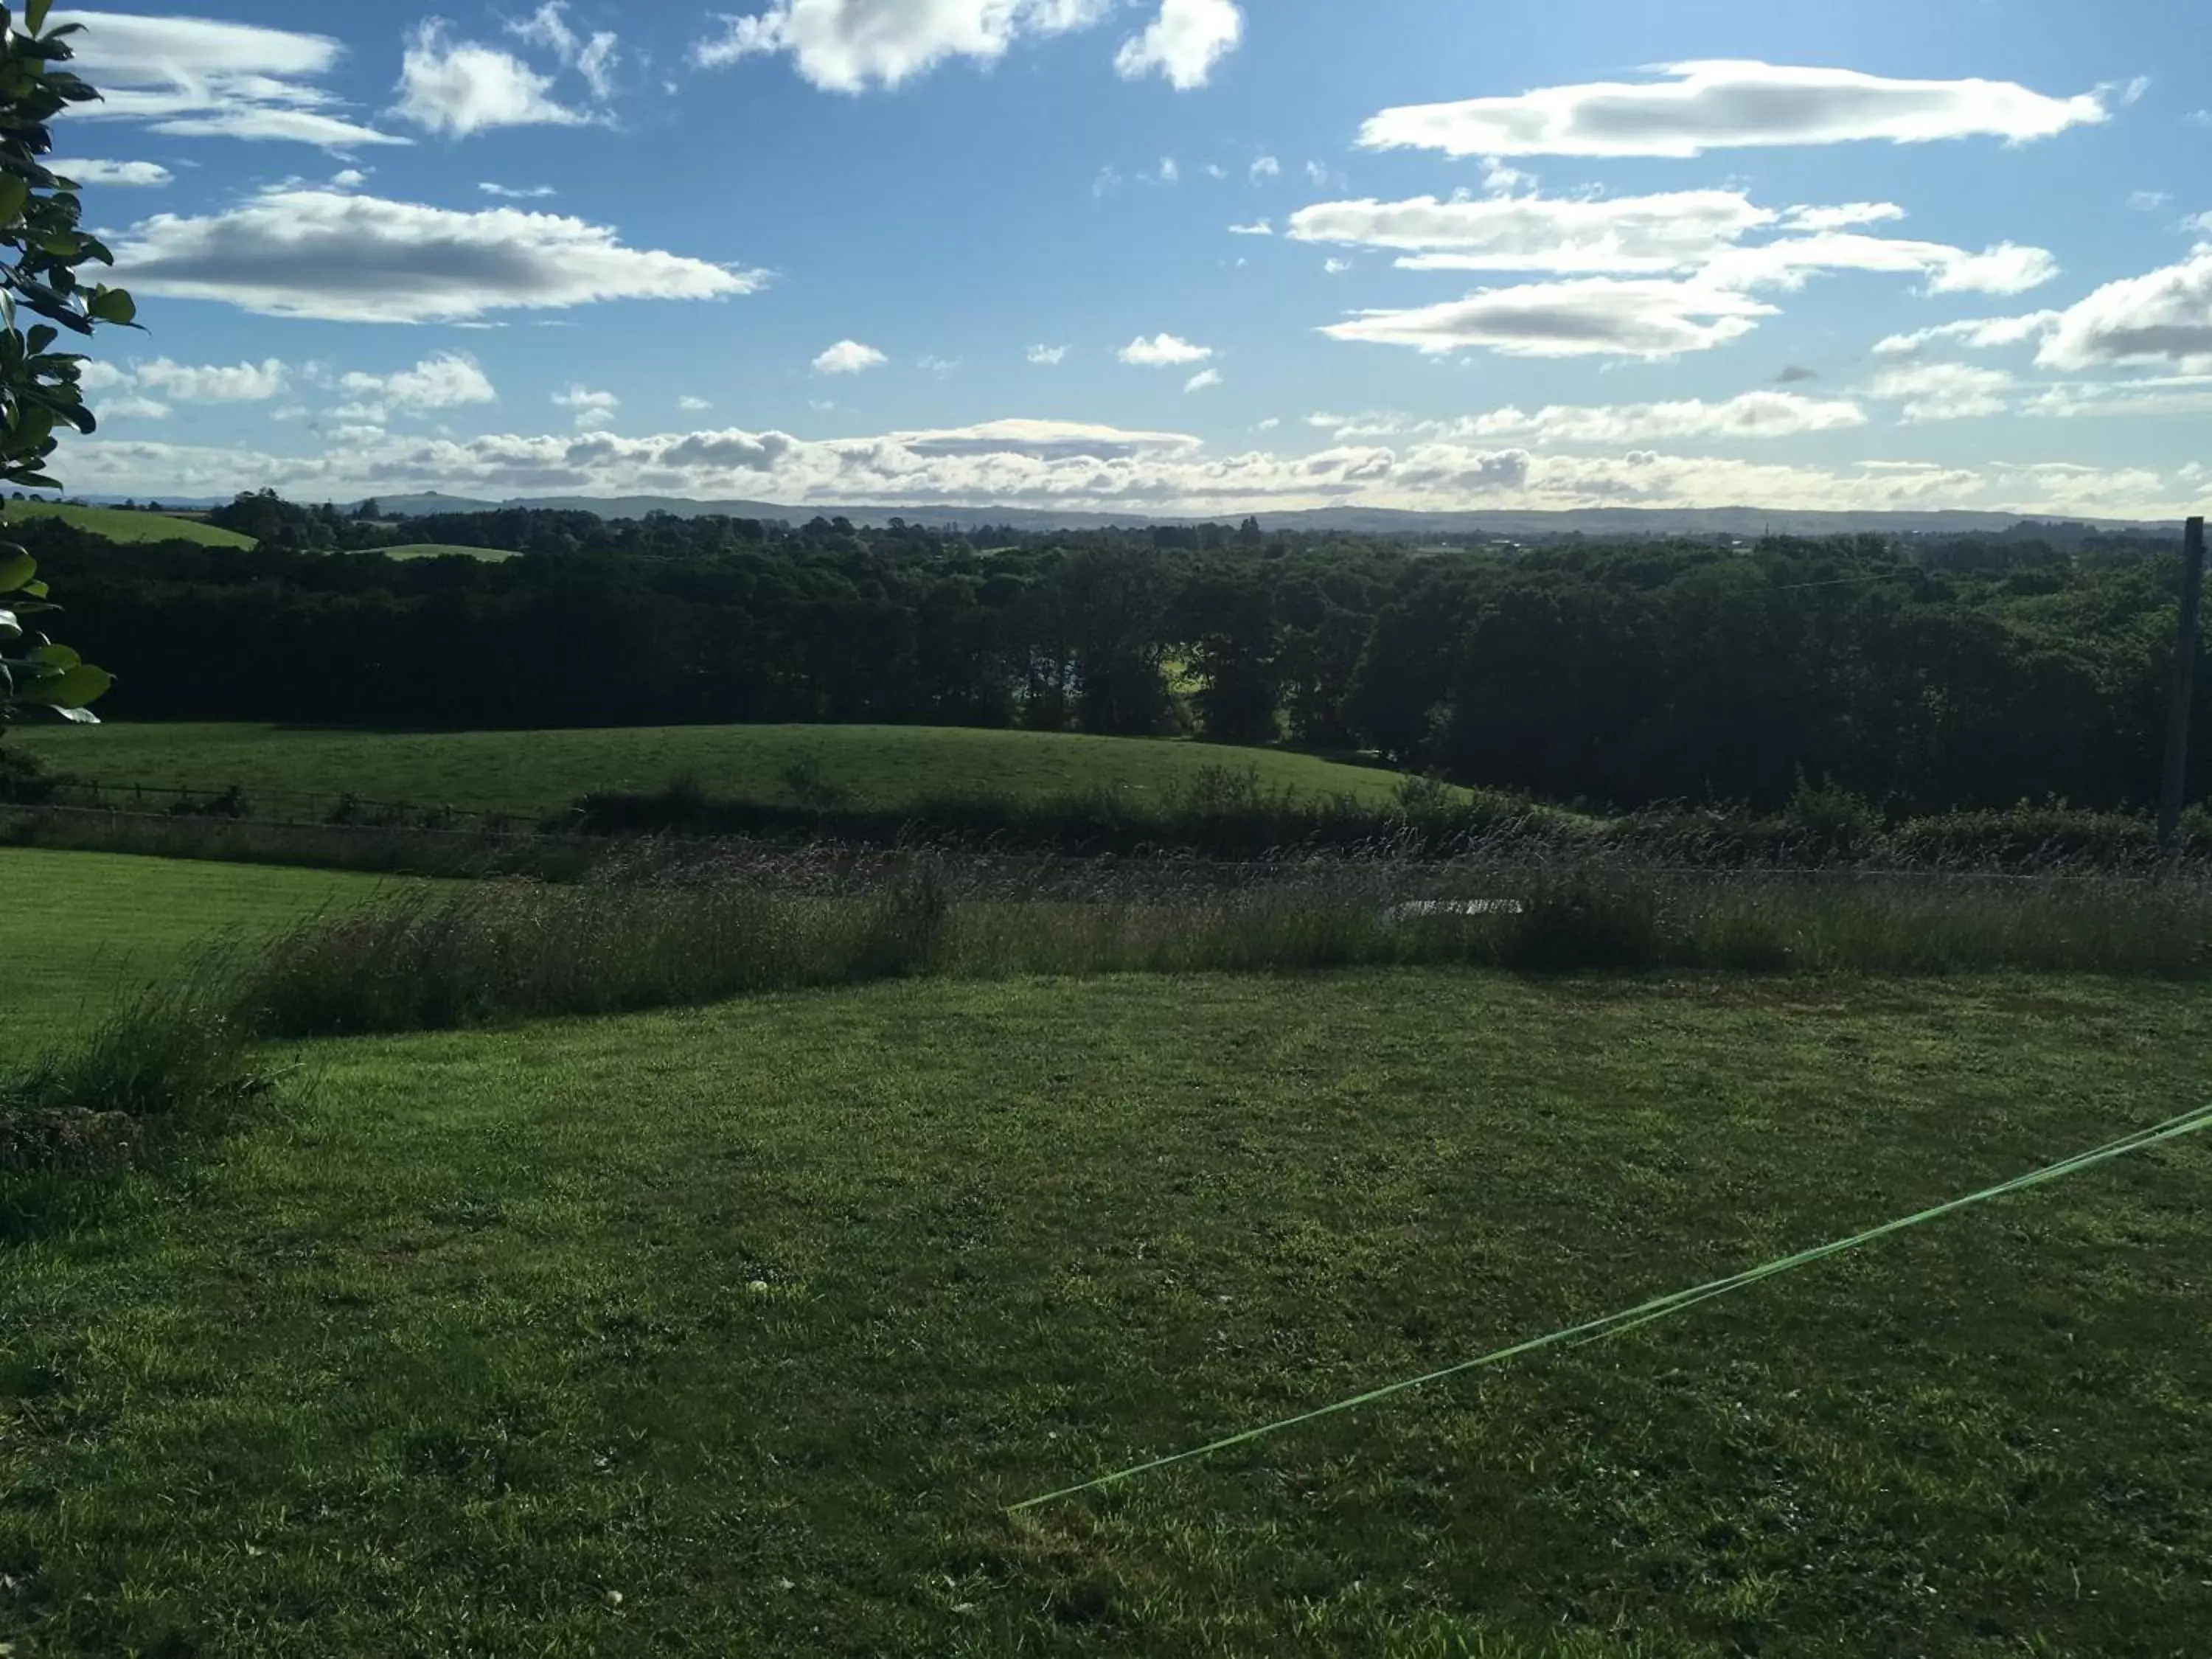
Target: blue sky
[{"x": 1159, "y": 255}]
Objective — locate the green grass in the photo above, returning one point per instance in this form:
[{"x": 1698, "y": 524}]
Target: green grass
[
  {"x": 735, "y": 1331},
  {"x": 126, "y": 525},
  {"x": 86, "y": 928},
  {"x": 542, "y": 772},
  {"x": 444, "y": 549}
]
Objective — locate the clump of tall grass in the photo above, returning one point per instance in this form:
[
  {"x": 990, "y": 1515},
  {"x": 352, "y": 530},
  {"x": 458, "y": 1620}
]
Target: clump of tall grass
[
  {"x": 179, "y": 1058},
  {"x": 665, "y": 929},
  {"x": 505, "y": 951}
]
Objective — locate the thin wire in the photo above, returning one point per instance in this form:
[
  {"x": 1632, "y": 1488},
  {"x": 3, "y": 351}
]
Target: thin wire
[{"x": 1628, "y": 1319}]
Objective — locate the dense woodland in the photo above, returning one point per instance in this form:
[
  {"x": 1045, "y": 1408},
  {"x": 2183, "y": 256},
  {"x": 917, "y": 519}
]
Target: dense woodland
[{"x": 1925, "y": 675}]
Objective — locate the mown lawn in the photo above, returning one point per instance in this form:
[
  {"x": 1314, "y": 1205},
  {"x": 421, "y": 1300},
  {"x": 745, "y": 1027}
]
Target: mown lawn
[
  {"x": 540, "y": 772},
  {"x": 735, "y": 1331},
  {"x": 85, "y": 928},
  {"x": 120, "y": 523}
]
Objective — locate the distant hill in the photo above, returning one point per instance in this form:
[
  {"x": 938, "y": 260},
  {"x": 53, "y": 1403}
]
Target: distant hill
[
  {"x": 1379, "y": 521},
  {"x": 119, "y": 524}
]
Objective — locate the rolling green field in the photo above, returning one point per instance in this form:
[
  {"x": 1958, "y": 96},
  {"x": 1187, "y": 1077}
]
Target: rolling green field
[
  {"x": 736, "y": 1331},
  {"x": 442, "y": 550},
  {"x": 85, "y": 928},
  {"x": 540, "y": 771},
  {"x": 126, "y": 525}
]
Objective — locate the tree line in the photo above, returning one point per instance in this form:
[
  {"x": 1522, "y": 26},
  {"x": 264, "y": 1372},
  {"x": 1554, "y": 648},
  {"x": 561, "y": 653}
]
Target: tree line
[{"x": 1960, "y": 673}]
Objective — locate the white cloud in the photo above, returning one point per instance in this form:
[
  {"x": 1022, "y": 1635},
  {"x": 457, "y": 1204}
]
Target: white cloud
[
  {"x": 533, "y": 193},
  {"x": 1183, "y": 43},
  {"x": 1163, "y": 351},
  {"x": 931, "y": 364},
  {"x": 2163, "y": 316},
  {"x": 145, "y": 174},
  {"x": 1336, "y": 267},
  {"x": 1265, "y": 166},
  {"x": 2148, "y": 201},
  {"x": 197, "y": 78},
  {"x": 133, "y": 408},
  {"x": 1728, "y": 105},
  {"x": 594, "y": 57},
  {"x": 99, "y": 376},
  {"x": 1674, "y": 231},
  {"x": 849, "y": 357},
  {"x": 1048, "y": 356},
  {"x": 460, "y": 87},
  {"x": 2006, "y": 268},
  {"x": 1700, "y": 230},
  {"x": 1842, "y": 216},
  {"x": 1069, "y": 466},
  {"x": 1944, "y": 392},
  {"x": 1749, "y": 415},
  {"x": 2165, "y": 398},
  {"x": 1257, "y": 228},
  {"x": 849, "y": 46},
  {"x": 1269, "y": 425},
  {"x": 348, "y": 178},
  {"x": 1204, "y": 381},
  {"x": 447, "y": 380},
  {"x": 241, "y": 383},
  {"x": 1169, "y": 173},
  {"x": 1979, "y": 333},
  {"x": 1594, "y": 316},
  {"x": 593, "y": 410},
  {"x": 362, "y": 259},
  {"x": 691, "y": 404}
]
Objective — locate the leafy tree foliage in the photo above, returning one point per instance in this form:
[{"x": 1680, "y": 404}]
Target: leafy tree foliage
[
  {"x": 1960, "y": 673},
  {"x": 39, "y": 389}
]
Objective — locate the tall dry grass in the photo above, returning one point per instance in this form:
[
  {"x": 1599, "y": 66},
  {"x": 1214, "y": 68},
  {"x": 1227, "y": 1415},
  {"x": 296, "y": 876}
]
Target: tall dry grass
[{"x": 676, "y": 932}]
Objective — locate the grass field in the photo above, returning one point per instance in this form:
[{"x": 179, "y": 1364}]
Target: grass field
[
  {"x": 540, "y": 771},
  {"x": 126, "y": 525},
  {"x": 736, "y": 1331},
  {"x": 442, "y": 550},
  {"x": 86, "y": 928}
]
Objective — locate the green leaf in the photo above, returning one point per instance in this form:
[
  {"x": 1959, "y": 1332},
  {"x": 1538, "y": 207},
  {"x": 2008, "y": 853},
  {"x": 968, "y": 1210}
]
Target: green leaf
[
  {"x": 32, "y": 428},
  {"x": 71, "y": 688},
  {"x": 112, "y": 304},
  {"x": 10, "y": 628},
  {"x": 80, "y": 716},
  {"x": 17, "y": 568},
  {"x": 14, "y": 193},
  {"x": 34, "y": 14},
  {"x": 42, "y": 336},
  {"x": 55, "y": 657}
]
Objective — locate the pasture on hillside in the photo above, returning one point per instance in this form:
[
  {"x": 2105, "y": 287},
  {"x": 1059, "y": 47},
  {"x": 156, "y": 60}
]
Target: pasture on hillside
[
  {"x": 538, "y": 773},
  {"x": 119, "y": 524},
  {"x": 737, "y": 1330}
]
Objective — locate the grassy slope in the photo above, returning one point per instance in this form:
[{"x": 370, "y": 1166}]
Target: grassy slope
[
  {"x": 543, "y": 771},
  {"x": 84, "y": 926},
  {"x": 125, "y": 525},
  {"x": 756, "y": 1318}
]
